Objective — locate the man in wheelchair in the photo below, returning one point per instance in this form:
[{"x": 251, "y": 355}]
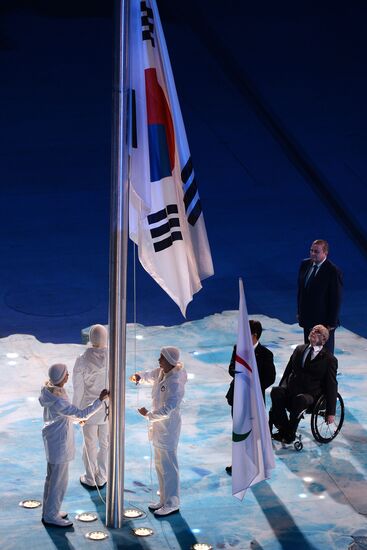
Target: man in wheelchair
[{"x": 311, "y": 371}]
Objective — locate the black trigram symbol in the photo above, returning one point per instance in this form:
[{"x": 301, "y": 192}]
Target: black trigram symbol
[
  {"x": 167, "y": 229},
  {"x": 134, "y": 127},
  {"x": 147, "y": 22},
  {"x": 191, "y": 193}
]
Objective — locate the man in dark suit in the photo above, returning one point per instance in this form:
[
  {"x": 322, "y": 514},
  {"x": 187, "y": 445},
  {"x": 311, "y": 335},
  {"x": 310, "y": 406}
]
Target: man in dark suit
[
  {"x": 264, "y": 360},
  {"x": 265, "y": 366},
  {"x": 319, "y": 297},
  {"x": 311, "y": 371}
]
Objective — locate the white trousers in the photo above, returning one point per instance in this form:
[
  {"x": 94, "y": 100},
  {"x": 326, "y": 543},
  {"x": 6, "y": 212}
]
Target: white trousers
[
  {"x": 166, "y": 466},
  {"x": 56, "y": 482},
  {"x": 96, "y": 443}
]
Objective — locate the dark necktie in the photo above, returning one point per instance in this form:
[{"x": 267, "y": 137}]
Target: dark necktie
[
  {"x": 307, "y": 360},
  {"x": 311, "y": 275}
]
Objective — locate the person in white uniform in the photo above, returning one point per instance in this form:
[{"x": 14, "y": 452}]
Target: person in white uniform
[
  {"x": 58, "y": 438},
  {"x": 167, "y": 393},
  {"x": 89, "y": 375}
]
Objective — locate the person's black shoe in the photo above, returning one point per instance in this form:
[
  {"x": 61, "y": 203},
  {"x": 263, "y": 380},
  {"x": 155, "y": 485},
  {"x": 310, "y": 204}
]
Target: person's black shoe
[
  {"x": 229, "y": 470},
  {"x": 284, "y": 437},
  {"x": 278, "y": 436},
  {"x": 289, "y": 438}
]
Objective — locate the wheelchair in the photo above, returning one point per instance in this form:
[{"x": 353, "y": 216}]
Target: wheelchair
[{"x": 321, "y": 431}]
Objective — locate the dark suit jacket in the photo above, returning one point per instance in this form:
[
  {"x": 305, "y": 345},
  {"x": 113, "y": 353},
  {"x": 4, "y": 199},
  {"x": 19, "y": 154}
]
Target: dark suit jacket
[
  {"x": 315, "y": 378},
  {"x": 319, "y": 303},
  {"x": 265, "y": 367}
]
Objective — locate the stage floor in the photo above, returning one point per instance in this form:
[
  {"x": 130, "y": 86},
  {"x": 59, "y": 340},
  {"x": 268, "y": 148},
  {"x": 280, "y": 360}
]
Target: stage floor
[{"x": 316, "y": 499}]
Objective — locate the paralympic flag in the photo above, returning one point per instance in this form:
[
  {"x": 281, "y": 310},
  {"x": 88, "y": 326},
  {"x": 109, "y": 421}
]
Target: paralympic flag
[
  {"x": 252, "y": 451},
  {"x": 165, "y": 214}
]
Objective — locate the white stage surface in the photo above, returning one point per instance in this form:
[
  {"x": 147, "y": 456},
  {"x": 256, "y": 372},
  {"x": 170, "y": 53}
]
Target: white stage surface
[{"x": 316, "y": 499}]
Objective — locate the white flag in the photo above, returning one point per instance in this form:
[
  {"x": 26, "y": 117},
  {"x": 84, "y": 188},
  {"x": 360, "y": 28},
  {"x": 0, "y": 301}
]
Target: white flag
[
  {"x": 252, "y": 451},
  {"x": 165, "y": 215}
]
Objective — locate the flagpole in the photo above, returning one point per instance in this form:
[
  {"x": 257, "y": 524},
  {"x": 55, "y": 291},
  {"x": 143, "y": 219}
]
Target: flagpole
[{"x": 118, "y": 268}]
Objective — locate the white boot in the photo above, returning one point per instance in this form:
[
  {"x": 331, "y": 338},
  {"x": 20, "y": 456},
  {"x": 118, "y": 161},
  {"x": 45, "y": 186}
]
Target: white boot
[
  {"x": 166, "y": 511},
  {"x": 155, "y": 506},
  {"x": 57, "y": 522}
]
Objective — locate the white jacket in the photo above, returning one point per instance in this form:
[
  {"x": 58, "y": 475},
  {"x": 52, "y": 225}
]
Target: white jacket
[
  {"x": 58, "y": 416},
  {"x": 90, "y": 377},
  {"x": 167, "y": 393}
]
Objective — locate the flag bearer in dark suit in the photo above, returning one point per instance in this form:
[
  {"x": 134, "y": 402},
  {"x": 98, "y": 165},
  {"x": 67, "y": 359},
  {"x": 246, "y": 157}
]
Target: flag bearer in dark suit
[
  {"x": 319, "y": 297},
  {"x": 264, "y": 361},
  {"x": 311, "y": 371},
  {"x": 265, "y": 366}
]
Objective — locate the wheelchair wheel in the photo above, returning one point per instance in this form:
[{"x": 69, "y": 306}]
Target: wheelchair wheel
[
  {"x": 298, "y": 445},
  {"x": 323, "y": 432}
]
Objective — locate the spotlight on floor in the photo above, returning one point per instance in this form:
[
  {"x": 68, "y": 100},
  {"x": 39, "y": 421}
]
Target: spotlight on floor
[
  {"x": 133, "y": 513},
  {"x": 201, "y": 546},
  {"x": 143, "y": 531},
  {"x": 96, "y": 535},
  {"x": 30, "y": 503},
  {"x": 86, "y": 516}
]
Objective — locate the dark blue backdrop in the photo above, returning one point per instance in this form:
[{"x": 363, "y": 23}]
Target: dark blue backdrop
[{"x": 273, "y": 99}]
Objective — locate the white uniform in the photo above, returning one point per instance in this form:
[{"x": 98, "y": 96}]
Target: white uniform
[
  {"x": 89, "y": 377},
  {"x": 58, "y": 438},
  {"x": 167, "y": 393}
]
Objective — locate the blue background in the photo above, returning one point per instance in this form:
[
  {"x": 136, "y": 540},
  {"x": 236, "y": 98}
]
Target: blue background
[{"x": 273, "y": 99}]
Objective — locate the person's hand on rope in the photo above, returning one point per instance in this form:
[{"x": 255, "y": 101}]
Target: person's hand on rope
[
  {"x": 104, "y": 394},
  {"x": 135, "y": 378},
  {"x": 143, "y": 411}
]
